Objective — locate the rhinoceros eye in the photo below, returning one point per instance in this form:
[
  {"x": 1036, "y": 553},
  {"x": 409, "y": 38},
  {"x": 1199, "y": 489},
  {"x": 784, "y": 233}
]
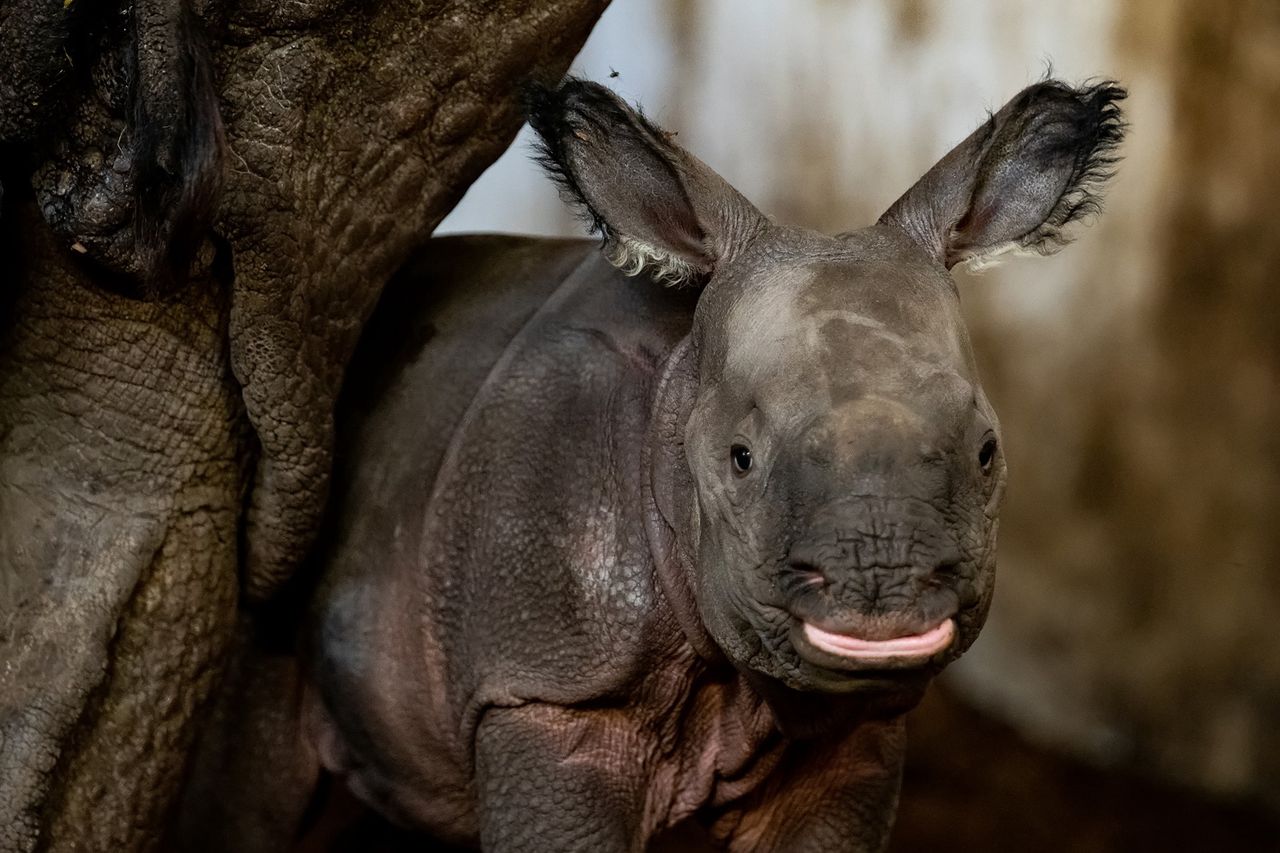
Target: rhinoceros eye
[
  {"x": 987, "y": 455},
  {"x": 741, "y": 456}
]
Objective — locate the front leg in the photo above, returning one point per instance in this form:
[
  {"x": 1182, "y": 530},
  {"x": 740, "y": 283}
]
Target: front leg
[
  {"x": 552, "y": 778},
  {"x": 826, "y": 796}
]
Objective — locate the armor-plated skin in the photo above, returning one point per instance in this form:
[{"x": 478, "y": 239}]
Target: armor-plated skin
[
  {"x": 200, "y": 201},
  {"x": 608, "y": 555}
]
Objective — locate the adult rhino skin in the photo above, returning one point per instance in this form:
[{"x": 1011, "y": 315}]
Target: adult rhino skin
[
  {"x": 201, "y": 204},
  {"x": 609, "y": 556}
]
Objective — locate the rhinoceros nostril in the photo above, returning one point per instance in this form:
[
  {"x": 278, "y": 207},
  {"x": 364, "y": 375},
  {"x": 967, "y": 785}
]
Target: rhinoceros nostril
[{"x": 798, "y": 576}]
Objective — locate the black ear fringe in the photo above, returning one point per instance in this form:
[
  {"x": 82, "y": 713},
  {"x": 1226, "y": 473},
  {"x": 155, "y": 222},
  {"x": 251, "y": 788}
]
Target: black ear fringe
[
  {"x": 548, "y": 110},
  {"x": 572, "y": 108},
  {"x": 179, "y": 155},
  {"x": 1095, "y": 127}
]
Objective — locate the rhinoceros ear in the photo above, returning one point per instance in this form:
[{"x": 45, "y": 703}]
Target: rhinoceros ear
[
  {"x": 657, "y": 207},
  {"x": 1018, "y": 181}
]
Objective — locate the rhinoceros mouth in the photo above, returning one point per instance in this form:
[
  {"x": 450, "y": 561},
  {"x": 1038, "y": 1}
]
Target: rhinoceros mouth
[
  {"x": 925, "y": 644},
  {"x": 847, "y": 650}
]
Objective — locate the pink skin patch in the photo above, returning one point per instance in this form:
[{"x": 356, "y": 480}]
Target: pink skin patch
[{"x": 914, "y": 646}]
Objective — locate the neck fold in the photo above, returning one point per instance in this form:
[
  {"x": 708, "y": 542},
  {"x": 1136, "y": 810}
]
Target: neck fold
[{"x": 670, "y": 502}]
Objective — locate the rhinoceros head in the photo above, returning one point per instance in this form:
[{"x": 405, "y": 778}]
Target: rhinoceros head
[{"x": 844, "y": 472}]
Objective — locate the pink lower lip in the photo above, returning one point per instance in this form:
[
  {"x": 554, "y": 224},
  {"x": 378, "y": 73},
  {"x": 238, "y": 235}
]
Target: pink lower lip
[{"x": 917, "y": 645}]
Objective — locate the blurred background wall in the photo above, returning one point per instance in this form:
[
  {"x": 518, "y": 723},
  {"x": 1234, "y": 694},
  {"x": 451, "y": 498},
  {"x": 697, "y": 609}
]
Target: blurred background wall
[{"x": 1137, "y": 373}]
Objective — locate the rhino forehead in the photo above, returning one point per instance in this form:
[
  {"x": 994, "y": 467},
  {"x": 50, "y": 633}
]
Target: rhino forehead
[
  {"x": 795, "y": 334},
  {"x": 762, "y": 328}
]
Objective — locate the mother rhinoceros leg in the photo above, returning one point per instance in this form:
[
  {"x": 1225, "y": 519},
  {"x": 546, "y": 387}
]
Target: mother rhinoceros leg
[
  {"x": 352, "y": 134},
  {"x": 120, "y": 481}
]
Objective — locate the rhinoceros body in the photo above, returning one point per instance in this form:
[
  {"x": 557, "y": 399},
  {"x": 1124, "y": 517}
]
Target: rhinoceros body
[
  {"x": 608, "y": 555},
  {"x": 493, "y": 564}
]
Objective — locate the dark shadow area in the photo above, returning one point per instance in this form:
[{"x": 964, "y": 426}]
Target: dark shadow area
[{"x": 972, "y": 784}]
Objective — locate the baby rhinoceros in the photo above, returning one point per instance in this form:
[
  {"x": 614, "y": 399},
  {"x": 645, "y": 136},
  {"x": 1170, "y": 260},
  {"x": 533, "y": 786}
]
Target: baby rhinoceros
[{"x": 611, "y": 555}]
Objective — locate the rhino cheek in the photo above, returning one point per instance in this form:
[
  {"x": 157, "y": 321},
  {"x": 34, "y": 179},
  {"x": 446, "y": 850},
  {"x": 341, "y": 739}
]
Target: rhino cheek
[
  {"x": 977, "y": 583},
  {"x": 736, "y": 593},
  {"x": 719, "y": 598}
]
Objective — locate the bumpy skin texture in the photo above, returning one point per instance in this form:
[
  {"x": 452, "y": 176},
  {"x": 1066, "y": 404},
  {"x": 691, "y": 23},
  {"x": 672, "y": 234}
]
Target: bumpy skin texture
[
  {"x": 121, "y": 440},
  {"x": 564, "y": 607},
  {"x": 352, "y": 132},
  {"x": 168, "y": 362},
  {"x": 525, "y": 684},
  {"x": 33, "y": 34}
]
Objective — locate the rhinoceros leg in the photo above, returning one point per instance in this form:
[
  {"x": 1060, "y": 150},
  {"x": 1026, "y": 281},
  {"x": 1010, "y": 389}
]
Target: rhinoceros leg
[
  {"x": 120, "y": 477},
  {"x": 825, "y": 797},
  {"x": 552, "y": 778},
  {"x": 351, "y": 138}
]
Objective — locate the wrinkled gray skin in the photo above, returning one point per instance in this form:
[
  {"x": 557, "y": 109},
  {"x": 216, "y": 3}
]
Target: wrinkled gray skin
[
  {"x": 201, "y": 203},
  {"x": 557, "y": 613}
]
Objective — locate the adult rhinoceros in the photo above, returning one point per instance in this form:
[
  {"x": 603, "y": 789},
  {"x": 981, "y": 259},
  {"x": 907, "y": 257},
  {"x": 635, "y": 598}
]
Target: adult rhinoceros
[{"x": 202, "y": 201}]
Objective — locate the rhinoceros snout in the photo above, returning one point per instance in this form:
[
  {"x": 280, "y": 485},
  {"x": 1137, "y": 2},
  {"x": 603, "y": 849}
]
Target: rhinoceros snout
[{"x": 887, "y": 564}]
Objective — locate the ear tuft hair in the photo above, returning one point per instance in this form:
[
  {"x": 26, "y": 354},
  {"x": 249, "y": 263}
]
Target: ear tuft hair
[
  {"x": 1098, "y": 118},
  {"x": 546, "y": 108},
  {"x": 577, "y": 115},
  {"x": 1033, "y": 168}
]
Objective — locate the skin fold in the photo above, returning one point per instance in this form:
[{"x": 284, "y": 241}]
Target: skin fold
[
  {"x": 587, "y": 528},
  {"x": 202, "y": 201}
]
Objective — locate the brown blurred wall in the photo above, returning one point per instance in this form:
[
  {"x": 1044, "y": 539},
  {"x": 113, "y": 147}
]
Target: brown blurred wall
[
  {"x": 1141, "y": 545},
  {"x": 1137, "y": 374}
]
